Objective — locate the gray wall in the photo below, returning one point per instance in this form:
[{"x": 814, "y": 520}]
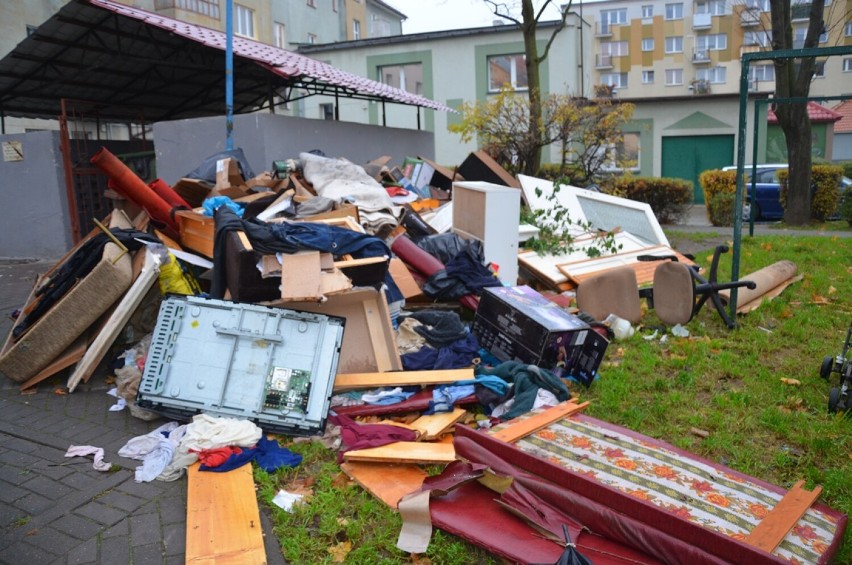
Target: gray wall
[
  {"x": 181, "y": 145},
  {"x": 33, "y": 200}
]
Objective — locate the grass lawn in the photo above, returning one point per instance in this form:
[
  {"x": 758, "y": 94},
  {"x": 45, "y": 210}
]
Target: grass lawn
[{"x": 727, "y": 383}]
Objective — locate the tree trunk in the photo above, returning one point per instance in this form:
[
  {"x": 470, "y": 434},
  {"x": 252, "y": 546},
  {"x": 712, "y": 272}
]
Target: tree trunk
[
  {"x": 533, "y": 81},
  {"x": 792, "y": 82}
]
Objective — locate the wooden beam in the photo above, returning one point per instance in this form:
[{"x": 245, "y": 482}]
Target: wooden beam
[
  {"x": 534, "y": 423},
  {"x": 405, "y": 452},
  {"x": 222, "y": 518},
  {"x": 386, "y": 482},
  {"x": 349, "y": 381},
  {"x": 781, "y": 519}
]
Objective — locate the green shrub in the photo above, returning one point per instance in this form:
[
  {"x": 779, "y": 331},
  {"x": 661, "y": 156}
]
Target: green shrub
[
  {"x": 845, "y": 209},
  {"x": 847, "y": 168},
  {"x": 568, "y": 174},
  {"x": 714, "y": 183},
  {"x": 825, "y": 184},
  {"x": 720, "y": 208},
  {"x": 668, "y": 198}
]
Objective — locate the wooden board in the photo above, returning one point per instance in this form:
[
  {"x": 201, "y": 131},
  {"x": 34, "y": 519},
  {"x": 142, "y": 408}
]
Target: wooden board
[
  {"x": 534, "y": 423},
  {"x": 432, "y": 426},
  {"x": 349, "y": 381},
  {"x": 781, "y": 519},
  {"x": 222, "y": 518},
  {"x": 386, "y": 482},
  {"x": 405, "y": 452},
  {"x": 117, "y": 320},
  {"x": 578, "y": 271},
  {"x": 300, "y": 276}
]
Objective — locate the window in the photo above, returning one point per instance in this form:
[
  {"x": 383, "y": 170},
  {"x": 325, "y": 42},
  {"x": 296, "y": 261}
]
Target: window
[
  {"x": 356, "y": 29},
  {"x": 208, "y": 8},
  {"x": 614, "y": 16},
  {"x": 674, "y": 44},
  {"x": 326, "y": 111},
  {"x": 712, "y": 7},
  {"x": 405, "y": 77},
  {"x": 819, "y": 70},
  {"x": 674, "y": 77},
  {"x": 762, "y": 38},
  {"x": 823, "y": 37},
  {"x": 624, "y": 154},
  {"x": 762, "y": 5},
  {"x": 507, "y": 70},
  {"x": 379, "y": 27},
  {"x": 716, "y": 75},
  {"x": 847, "y": 65},
  {"x": 647, "y": 11},
  {"x": 243, "y": 21},
  {"x": 761, "y": 73},
  {"x": 647, "y": 77},
  {"x": 799, "y": 34},
  {"x": 847, "y": 30},
  {"x": 713, "y": 42},
  {"x": 648, "y": 44},
  {"x": 280, "y": 32},
  {"x": 617, "y": 80},
  {"x": 614, "y": 48},
  {"x": 674, "y": 11},
  {"x": 312, "y": 38}
]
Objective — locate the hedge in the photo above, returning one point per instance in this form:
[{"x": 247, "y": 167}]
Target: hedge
[
  {"x": 825, "y": 180},
  {"x": 669, "y": 199}
]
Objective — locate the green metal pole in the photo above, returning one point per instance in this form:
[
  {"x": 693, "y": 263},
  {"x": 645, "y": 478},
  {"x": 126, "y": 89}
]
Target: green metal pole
[{"x": 738, "y": 201}]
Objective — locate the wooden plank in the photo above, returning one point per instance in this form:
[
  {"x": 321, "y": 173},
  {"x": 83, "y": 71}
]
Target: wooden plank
[
  {"x": 405, "y": 452},
  {"x": 349, "y": 381},
  {"x": 432, "y": 426},
  {"x": 579, "y": 271},
  {"x": 534, "y": 423},
  {"x": 117, "y": 320},
  {"x": 781, "y": 519},
  {"x": 222, "y": 518},
  {"x": 386, "y": 482}
]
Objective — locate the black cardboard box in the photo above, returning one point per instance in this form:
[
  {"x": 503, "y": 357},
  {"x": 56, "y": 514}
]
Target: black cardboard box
[{"x": 517, "y": 323}]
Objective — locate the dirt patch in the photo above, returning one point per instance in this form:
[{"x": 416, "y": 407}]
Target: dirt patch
[{"x": 695, "y": 245}]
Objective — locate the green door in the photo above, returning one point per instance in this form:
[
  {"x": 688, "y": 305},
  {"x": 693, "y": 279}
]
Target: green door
[{"x": 686, "y": 157}]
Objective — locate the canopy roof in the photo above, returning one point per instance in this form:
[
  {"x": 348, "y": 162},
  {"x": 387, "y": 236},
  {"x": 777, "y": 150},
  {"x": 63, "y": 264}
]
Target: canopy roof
[{"x": 126, "y": 61}]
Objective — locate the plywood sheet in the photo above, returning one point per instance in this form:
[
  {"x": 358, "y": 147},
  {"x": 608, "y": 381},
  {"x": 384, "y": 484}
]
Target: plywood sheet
[
  {"x": 222, "y": 518},
  {"x": 405, "y": 452},
  {"x": 387, "y": 482},
  {"x": 300, "y": 276},
  {"x": 350, "y": 381}
]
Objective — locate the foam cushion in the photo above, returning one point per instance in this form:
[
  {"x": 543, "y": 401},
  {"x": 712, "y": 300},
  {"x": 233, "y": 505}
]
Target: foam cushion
[
  {"x": 674, "y": 293},
  {"x": 614, "y": 291}
]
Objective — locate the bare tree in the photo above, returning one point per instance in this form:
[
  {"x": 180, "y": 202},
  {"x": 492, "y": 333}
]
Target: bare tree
[
  {"x": 528, "y": 23},
  {"x": 793, "y": 80}
]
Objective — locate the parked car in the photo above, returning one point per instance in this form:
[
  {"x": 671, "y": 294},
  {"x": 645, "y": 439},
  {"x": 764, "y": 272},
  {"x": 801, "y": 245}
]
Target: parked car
[{"x": 768, "y": 191}]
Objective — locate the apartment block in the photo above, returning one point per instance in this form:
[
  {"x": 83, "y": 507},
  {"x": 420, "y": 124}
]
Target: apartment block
[{"x": 647, "y": 48}]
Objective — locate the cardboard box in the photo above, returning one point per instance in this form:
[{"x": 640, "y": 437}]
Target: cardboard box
[
  {"x": 518, "y": 323},
  {"x": 228, "y": 173}
]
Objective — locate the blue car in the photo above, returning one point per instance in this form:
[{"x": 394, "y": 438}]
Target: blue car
[{"x": 767, "y": 203}]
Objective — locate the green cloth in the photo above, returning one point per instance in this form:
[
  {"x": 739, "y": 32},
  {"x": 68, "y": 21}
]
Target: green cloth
[{"x": 527, "y": 379}]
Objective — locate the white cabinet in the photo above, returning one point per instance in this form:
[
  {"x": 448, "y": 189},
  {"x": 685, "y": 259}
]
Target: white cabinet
[{"x": 490, "y": 213}]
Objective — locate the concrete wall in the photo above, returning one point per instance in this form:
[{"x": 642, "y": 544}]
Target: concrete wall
[
  {"x": 181, "y": 145},
  {"x": 33, "y": 200}
]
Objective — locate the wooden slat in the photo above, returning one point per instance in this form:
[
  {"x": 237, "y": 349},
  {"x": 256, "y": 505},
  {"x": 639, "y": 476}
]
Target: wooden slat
[
  {"x": 534, "y": 423},
  {"x": 432, "y": 426},
  {"x": 405, "y": 452},
  {"x": 386, "y": 482},
  {"x": 222, "y": 518},
  {"x": 349, "y": 381},
  {"x": 781, "y": 519}
]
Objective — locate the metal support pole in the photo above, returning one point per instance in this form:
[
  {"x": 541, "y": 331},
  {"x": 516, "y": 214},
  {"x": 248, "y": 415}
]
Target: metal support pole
[
  {"x": 738, "y": 201},
  {"x": 418, "y": 118},
  {"x": 336, "y": 105},
  {"x": 753, "y": 177},
  {"x": 384, "y": 116},
  {"x": 229, "y": 74}
]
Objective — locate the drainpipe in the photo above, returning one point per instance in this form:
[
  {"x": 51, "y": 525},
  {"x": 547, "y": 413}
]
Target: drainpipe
[{"x": 229, "y": 74}]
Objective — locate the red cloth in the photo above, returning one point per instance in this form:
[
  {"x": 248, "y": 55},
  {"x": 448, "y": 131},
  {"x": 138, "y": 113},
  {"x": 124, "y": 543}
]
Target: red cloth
[
  {"x": 215, "y": 457},
  {"x": 362, "y": 436}
]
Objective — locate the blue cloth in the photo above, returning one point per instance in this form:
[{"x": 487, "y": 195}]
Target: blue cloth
[
  {"x": 456, "y": 355},
  {"x": 527, "y": 379},
  {"x": 387, "y": 399},
  {"x": 491, "y": 382},
  {"x": 445, "y": 396},
  {"x": 210, "y": 205},
  {"x": 267, "y": 453}
]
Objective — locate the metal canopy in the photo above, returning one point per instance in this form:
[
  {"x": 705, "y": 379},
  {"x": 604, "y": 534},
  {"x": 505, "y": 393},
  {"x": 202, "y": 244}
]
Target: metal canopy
[{"x": 126, "y": 60}]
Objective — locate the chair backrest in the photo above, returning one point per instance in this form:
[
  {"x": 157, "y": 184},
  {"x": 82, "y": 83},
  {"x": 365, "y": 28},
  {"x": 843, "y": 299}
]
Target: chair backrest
[
  {"x": 674, "y": 293},
  {"x": 615, "y": 291}
]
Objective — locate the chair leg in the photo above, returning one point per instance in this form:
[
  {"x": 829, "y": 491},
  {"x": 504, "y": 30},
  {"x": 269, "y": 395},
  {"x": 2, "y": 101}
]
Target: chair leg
[{"x": 709, "y": 288}]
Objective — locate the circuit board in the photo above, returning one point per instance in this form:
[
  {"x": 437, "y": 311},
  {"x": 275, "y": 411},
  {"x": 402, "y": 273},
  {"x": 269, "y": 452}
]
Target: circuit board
[{"x": 287, "y": 390}]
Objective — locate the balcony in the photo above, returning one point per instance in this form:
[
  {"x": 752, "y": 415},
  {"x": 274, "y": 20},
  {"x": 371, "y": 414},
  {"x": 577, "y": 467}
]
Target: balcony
[
  {"x": 701, "y": 21},
  {"x": 700, "y": 56},
  {"x": 603, "y": 62},
  {"x": 603, "y": 29},
  {"x": 750, "y": 17},
  {"x": 800, "y": 12}
]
